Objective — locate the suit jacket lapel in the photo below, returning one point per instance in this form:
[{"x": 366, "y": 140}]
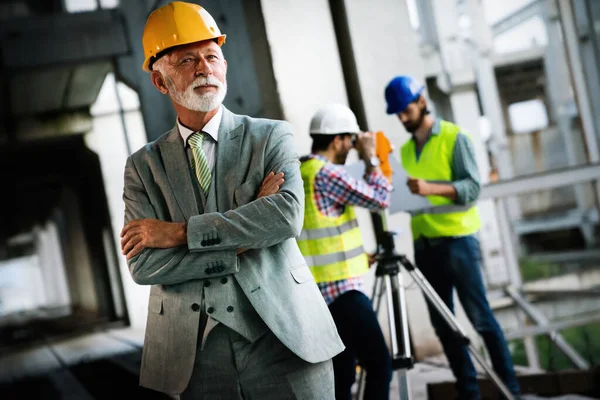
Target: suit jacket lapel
[
  {"x": 228, "y": 154},
  {"x": 178, "y": 171}
]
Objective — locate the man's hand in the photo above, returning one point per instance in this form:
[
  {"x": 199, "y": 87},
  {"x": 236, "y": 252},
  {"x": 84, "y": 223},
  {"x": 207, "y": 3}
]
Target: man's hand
[
  {"x": 424, "y": 188},
  {"x": 140, "y": 234},
  {"x": 365, "y": 145},
  {"x": 271, "y": 184},
  {"x": 372, "y": 258},
  {"x": 419, "y": 186}
]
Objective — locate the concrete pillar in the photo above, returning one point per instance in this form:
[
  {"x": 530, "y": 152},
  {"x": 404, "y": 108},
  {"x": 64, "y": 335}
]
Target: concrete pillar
[
  {"x": 306, "y": 62},
  {"x": 481, "y": 52},
  {"x": 384, "y": 45},
  {"x": 157, "y": 110},
  {"x": 106, "y": 140}
]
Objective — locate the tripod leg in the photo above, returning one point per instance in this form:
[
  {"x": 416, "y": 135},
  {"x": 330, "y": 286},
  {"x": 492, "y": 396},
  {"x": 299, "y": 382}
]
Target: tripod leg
[
  {"x": 399, "y": 336},
  {"x": 403, "y": 386},
  {"x": 379, "y": 293},
  {"x": 399, "y": 300},
  {"x": 450, "y": 319}
]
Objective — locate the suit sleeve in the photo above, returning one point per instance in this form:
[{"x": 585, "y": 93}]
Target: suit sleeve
[
  {"x": 263, "y": 222},
  {"x": 167, "y": 266}
]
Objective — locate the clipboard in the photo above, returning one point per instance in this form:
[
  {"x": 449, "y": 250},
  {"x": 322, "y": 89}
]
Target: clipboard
[{"x": 403, "y": 200}]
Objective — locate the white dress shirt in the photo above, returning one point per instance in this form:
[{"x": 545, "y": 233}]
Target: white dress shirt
[{"x": 209, "y": 145}]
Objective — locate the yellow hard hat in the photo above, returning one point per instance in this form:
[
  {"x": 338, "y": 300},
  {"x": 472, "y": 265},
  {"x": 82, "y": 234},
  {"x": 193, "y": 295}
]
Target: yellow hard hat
[{"x": 175, "y": 24}]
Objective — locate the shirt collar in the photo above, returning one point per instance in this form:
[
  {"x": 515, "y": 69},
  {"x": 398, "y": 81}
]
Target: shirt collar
[
  {"x": 211, "y": 127},
  {"x": 435, "y": 129},
  {"x": 320, "y": 157}
]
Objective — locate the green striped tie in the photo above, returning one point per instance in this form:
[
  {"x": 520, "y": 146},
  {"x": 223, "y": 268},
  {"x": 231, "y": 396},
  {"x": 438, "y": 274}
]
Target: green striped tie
[{"x": 200, "y": 163}]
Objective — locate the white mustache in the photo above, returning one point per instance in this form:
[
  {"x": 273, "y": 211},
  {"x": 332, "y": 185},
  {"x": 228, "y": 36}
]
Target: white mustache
[{"x": 207, "y": 81}]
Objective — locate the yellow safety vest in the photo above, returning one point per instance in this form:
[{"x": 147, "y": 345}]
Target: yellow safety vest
[
  {"x": 332, "y": 246},
  {"x": 434, "y": 164}
]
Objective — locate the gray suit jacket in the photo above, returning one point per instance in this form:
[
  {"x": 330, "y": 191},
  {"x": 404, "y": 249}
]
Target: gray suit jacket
[{"x": 273, "y": 274}]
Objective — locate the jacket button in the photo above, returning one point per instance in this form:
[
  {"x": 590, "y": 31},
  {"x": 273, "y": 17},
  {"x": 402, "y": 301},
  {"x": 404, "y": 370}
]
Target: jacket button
[
  {"x": 206, "y": 283},
  {"x": 210, "y": 310},
  {"x": 229, "y": 309},
  {"x": 223, "y": 280},
  {"x": 195, "y": 307}
]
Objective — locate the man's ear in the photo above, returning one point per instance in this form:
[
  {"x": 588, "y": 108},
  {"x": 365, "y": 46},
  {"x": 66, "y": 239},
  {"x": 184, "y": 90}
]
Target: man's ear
[
  {"x": 422, "y": 103},
  {"x": 159, "y": 82},
  {"x": 337, "y": 142}
]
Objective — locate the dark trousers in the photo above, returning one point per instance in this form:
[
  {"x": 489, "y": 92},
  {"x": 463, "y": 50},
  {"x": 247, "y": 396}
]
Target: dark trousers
[
  {"x": 359, "y": 329},
  {"x": 232, "y": 368},
  {"x": 456, "y": 263}
]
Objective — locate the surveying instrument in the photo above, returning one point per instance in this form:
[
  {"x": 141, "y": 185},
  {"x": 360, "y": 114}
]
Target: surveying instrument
[{"x": 388, "y": 279}]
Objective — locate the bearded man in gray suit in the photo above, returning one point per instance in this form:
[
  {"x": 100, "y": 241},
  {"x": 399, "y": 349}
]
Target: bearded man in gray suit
[{"x": 212, "y": 209}]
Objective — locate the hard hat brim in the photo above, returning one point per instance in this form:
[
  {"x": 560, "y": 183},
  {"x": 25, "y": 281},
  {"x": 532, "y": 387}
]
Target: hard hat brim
[{"x": 147, "y": 64}]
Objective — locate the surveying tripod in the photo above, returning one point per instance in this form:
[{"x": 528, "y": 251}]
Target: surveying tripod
[{"x": 388, "y": 277}]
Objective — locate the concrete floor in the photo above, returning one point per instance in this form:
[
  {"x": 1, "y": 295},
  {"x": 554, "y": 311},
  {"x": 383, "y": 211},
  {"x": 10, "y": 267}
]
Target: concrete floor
[{"x": 123, "y": 346}]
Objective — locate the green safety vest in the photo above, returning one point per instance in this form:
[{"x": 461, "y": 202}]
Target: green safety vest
[
  {"x": 434, "y": 164},
  {"x": 332, "y": 246}
]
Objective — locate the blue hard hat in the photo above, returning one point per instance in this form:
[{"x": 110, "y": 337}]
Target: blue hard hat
[{"x": 400, "y": 92}]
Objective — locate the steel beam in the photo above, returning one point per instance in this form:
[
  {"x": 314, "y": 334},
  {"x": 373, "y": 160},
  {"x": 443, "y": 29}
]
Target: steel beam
[
  {"x": 540, "y": 295},
  {"x": 62, "y": 38},
  {"x": 562, "y": 101},
  {"x": 583, "y": 95},
  {"x": 542, "y": 181},
  {"x": 65, "y": 123},
  {"x": 579, "y": 80},
  {"x": 552, "y": 327},
  {"x": 566, "y": 257},
  {"x": 516, "y": 18},
  {"x": 554, "y": 335},
  {"x": 571, "y": 219}
]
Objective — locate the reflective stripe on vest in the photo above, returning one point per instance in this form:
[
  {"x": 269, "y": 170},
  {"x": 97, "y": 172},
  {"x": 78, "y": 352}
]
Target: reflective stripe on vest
[
  {"x": 450, "y": 208},
  {"x": 325, "y": 259},
  {"x": 444, "y": 218},
  {"x": 321, "y": 233},
  {"x": 332, "y": 246}
]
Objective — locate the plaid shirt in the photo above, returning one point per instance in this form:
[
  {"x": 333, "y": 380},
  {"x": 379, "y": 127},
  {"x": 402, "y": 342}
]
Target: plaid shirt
[{"x": 335, "y": 189}]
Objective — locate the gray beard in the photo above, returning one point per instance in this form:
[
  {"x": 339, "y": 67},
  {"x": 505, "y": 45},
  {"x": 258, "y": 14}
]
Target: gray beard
[{"x": 205, "y": 102}]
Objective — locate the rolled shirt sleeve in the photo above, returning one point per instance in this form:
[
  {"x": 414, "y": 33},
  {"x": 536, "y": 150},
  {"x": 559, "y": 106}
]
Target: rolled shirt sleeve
[{"x": 466, "y": 178}]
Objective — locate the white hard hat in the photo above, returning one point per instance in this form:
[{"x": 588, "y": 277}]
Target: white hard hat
[{"x": 333, "y": 119}]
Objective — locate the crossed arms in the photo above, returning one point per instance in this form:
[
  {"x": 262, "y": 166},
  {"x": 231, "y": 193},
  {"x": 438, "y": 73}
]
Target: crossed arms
[
  {"x": 141, "y": 234},
  {"x": 160, "y": 252}
]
